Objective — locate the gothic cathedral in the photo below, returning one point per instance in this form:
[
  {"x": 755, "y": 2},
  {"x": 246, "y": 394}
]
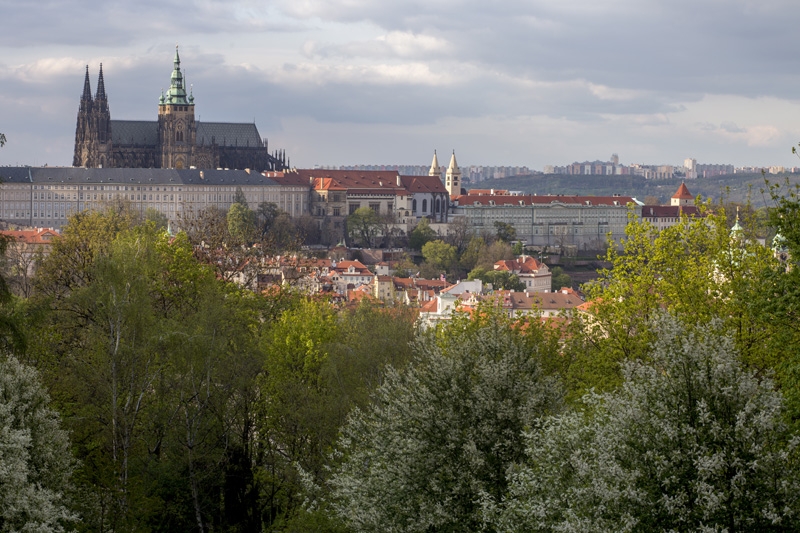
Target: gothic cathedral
[{"x": 176, "y": 140}]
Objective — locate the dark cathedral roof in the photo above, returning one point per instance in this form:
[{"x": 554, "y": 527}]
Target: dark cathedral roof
[
  {"x": 138, "y": 132},
  {"x": 128, "y": 176},
  {"x": 228, "y": 134}
]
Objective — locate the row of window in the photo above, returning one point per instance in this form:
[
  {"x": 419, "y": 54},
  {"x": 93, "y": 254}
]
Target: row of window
[{"x": 435, "y": 208}]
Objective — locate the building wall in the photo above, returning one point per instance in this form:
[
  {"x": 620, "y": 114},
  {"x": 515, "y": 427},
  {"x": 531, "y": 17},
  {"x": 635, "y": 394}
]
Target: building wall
[
  {"x": 554, "y": 225},
  {"x": 39, "y": 201}
]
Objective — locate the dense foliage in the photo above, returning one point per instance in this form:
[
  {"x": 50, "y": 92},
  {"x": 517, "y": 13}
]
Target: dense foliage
[
  {"x": 690, "y": 442},
  {"x": 192, "y": 403},
  {"x": 440, "y": 436}
]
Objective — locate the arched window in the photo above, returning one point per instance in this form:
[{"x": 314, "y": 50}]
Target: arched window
[
  {"x": 438, "y": 205},
  {"x": 425, "y": 206},
  {"x": 413, "y": 206}
]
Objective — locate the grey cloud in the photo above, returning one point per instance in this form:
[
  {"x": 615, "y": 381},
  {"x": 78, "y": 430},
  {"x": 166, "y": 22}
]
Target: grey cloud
[
  {"x": 731, "y": 127},
  {"x": 118, "y": 23},
  {"x": 666, "y": 45}
]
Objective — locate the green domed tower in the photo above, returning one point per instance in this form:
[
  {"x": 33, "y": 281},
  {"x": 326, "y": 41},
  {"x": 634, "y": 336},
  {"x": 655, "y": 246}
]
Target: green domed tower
[{"x": 177, "y": 130}]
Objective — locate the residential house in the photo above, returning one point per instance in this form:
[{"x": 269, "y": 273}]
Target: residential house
[{"x": 534, "y": 274}]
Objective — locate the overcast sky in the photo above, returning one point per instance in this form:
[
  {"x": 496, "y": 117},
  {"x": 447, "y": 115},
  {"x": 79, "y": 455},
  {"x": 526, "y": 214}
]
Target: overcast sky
[{"x": 514, "y": 82}]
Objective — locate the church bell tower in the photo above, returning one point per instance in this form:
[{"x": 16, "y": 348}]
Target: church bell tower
[
  {"x": 177, "y": 130},
  {"x": 453, "y": 177}
]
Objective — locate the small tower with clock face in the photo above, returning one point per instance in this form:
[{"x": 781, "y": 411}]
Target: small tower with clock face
[{"x": 177, "y": 130}]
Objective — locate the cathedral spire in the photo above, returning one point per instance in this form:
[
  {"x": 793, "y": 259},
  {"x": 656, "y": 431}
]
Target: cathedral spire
[
  {"x": 177, "y": 88},
  {"x": 86, "y": 98},
  {"x": 101, "y": 86}
]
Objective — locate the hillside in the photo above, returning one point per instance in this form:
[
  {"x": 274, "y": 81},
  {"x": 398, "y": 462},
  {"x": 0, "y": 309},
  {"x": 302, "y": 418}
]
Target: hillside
[{"x": 734, "y": 187}]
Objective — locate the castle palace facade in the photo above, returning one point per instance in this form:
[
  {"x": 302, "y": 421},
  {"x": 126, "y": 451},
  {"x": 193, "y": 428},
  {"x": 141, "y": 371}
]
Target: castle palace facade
[{"x": 176, "y": 140}]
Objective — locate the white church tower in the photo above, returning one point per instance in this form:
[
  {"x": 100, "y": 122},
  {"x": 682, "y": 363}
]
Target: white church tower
[{"x": 452, "y": 177}]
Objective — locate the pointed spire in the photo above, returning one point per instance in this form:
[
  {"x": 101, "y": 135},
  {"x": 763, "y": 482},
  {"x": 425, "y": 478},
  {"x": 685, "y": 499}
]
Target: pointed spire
[
  {"x": 177, "y": 87},
  {"x": 87, "y": 86},
  {"x": 101, "y": 86},
  {"x": 453, "y": 165},
  {"x": 435, "y": 170},
  {"x": 737, "y": 230},
  {"x": 86, "y": 97}
]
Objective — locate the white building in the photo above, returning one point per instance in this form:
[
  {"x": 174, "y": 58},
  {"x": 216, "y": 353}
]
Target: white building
[{"x": 46, "y": 196}]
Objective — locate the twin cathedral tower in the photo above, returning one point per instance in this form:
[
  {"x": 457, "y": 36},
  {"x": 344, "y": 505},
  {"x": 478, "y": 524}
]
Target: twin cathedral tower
[{"x": 175, "y": 140}]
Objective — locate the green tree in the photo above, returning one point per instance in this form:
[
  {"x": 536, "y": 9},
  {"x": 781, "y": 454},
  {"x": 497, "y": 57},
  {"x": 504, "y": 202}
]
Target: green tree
[
  {"x": 241, "y": 224},
  {"x": 156, "y": 217},
  {"x": 209, "y": 233},
  {"x": 440, "y": 255},
  {"x": 559, "y": 279},
  {"x": 697, "y": 270},
  {"x": 266, "y": 214},
  {"x": 70, "y": 263},
  {"x": 776, "y": 303},
  {"x": 421, "y": 235},
  {"x": 500, "y": 279},
  {"x": 690, "y": 442},
  {"x": 459, "y": 234},
  {"x": 363, "y": 225},
  {"x": 35, "y": 462},
  {"x": 439, "y": 437},
  {"x": 240, "y": 198},
  {"x": 505, "y": 232},
  {"x": 319, "y": 364},
  {"x": 154, "y": 366},
  {"x": 476, "y": 248},
  {"x": 283, "y": 235}
]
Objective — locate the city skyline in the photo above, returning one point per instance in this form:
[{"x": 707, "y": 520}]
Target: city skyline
[{"x": 347, "y": 82}]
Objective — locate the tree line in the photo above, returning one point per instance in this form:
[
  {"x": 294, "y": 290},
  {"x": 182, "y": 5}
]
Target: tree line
[{"x": 142, "y": 390}]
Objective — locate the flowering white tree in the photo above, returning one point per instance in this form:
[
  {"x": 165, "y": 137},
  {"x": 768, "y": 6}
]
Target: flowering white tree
[
  {"x": 440, "y": 436},
  {"x": 35, "y": 460},
  {"x": 690, "y": 442}
]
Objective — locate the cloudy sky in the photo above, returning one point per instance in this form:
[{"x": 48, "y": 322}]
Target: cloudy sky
[{"x": 514, "y": 82}]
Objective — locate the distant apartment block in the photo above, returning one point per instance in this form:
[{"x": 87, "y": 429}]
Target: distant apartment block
[{"x": 690, "y": 169}]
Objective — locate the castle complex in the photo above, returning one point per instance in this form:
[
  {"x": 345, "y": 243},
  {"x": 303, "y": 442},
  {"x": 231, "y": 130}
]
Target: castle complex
[{"x": 176, "y": 140}]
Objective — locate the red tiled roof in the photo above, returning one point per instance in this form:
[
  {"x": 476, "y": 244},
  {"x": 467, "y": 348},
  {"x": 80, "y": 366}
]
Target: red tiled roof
[
  {"x": 430, "y": 184},
  {"x": 526, "y": 266},
  {"x": 431, "y": 306},
  {"x": 344, "y": 265},
  {"x": 366, "y": 180},
  {"x": 683, "y": 193},
  {"x": 32, "y": 236}
]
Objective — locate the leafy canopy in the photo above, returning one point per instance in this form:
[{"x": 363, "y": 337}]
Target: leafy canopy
[{"x": 690, "y": 442}]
